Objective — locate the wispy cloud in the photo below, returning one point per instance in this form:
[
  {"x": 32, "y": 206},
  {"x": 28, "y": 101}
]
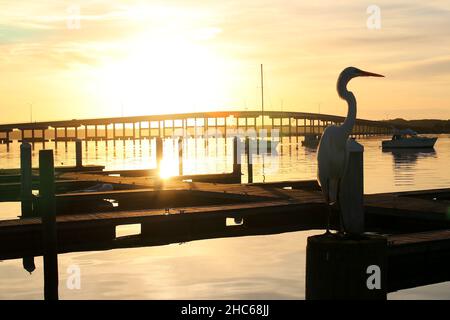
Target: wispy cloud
[{"x": 304, "y": 44}]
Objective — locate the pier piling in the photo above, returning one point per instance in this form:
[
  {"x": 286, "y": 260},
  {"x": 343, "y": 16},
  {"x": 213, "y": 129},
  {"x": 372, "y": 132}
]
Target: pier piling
[
  {"x": 339, "y": 268},
  {"x": 352, "y": 190},
  {"x": 26, "y": 190},
  {"x": 180, "y": 156},
  {"x": 78, "y": 154},
  {"x": 236, "y": 157},
  {"x": 249, "y": 150},
  {"x": 159, "y": 151},
  {"x": 47, "y": 211}
]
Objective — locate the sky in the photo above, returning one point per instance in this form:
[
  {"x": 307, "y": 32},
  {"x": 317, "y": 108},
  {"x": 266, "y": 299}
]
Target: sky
[{"x": 97, "y": 58}]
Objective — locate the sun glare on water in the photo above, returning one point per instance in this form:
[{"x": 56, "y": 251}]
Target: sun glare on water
[{"x": 169, "y": 168}]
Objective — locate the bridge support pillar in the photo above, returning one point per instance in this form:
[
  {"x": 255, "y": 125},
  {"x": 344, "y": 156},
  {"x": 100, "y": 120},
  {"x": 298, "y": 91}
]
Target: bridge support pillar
[
  {"x": 65, "y": 137},
  {"x": 7, "y": 141},
  {"x": 290, "y": 129},
  {"x": 56, "y": 137}
]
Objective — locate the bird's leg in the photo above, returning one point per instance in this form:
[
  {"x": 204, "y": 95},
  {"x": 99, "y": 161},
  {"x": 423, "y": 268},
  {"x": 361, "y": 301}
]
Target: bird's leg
[
  {"x": 327, "y": 199},
  {"x": 328, "y": 220},
  {"x": 341, "y": 231}
]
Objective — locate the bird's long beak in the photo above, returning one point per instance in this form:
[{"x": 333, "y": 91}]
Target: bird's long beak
[{"x": 370, "y": 74}]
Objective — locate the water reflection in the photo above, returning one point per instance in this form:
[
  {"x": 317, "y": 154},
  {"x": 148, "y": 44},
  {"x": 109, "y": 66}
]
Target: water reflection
[
  {"x": 148, "y": 255},
  {"x": 196, "y": 269},
  {"x": 410, "y": 156},
  {"x": 405, "y": 161}
]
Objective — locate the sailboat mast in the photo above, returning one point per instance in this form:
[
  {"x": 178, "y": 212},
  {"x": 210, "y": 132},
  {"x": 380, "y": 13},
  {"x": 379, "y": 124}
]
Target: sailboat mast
[
  {"x": 262, "y": 96},
  {"x": 262, "y": 120}
]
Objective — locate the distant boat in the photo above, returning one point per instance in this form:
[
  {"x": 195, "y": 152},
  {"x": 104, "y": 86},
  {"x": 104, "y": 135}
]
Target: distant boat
[
  {"x": 408, "y": 139},
  {"x": 311, "y": 140}
]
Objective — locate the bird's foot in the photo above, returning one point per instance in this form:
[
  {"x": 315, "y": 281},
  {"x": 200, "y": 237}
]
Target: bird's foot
[{"x": 340, "y": 235}]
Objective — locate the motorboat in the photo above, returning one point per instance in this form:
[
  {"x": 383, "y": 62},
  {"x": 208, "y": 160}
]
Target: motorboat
[{"x": 408, "y": 139}]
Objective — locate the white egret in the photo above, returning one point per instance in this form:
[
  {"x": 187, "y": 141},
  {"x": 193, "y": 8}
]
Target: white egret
[{"x": 332, "y": 153}]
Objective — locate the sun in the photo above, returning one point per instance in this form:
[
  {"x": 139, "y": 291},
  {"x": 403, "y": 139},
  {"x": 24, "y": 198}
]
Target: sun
[{"x": 165, "y": 73}]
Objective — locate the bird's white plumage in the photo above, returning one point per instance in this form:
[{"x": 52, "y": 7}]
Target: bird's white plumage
[
  {"x": 331, "y": 159},
  {"x": 332, "y": 153}
]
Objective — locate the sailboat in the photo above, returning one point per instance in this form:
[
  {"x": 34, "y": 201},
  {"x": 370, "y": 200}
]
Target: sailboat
[{"x": 271, "y": 144}]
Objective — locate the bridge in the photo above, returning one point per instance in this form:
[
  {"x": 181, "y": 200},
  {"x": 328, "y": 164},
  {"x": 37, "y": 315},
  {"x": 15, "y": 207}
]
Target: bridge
[{"x": 290, "y": 124}]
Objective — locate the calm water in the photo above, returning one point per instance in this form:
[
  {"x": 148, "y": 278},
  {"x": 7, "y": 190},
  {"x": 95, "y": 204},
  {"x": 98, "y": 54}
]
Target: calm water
[{"x": 234, "y": 268}]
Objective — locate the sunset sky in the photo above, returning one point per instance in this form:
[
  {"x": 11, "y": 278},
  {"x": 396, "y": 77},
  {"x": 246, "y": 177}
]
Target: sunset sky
[{"x": 79, "y": 59}]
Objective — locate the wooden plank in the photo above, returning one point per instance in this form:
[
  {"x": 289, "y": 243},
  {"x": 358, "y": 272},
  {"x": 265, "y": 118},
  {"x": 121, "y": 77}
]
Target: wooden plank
[
  {"x": 137, "y": 214},
  {"x": 419, "y": 237},
  {"x": 406, "y": 204}
]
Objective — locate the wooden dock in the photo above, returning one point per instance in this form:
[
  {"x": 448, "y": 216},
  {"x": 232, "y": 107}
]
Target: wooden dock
[{"x": 191, "y": 207}]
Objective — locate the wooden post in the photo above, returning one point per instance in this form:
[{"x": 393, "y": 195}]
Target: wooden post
[
  {"x": 290, "y": 129},
  {"x": 26, "y": 194},
  {"x": 236, "y": 157},
  {"x": 32, "y": 138},
  {"x": 205, "y": 131},
  {"x": 78, "y": 154},
  {"x": 249, "y": 150},
  {"x": 225, "y": 129},
  {"x": 26, "y": 176},
  {"x": 338, "y": 268},
  {"x": 7, "y": 141},
  {"x": 48, "y": 214},
  {"x": 281, "y": 128},
  {"x": 164, "y": 128},
  {"x": 159, "y": 151},
  {"x": 56, "y": 137},
  {"x": 352, "y": 190},
  {"x": 180, "y": 156}
]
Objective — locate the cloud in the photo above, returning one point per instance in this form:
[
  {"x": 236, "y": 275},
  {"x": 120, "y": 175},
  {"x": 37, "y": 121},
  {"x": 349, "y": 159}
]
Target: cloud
[
  {"x": 303, "y": 44},
  {"x": 434, "y": 67}
]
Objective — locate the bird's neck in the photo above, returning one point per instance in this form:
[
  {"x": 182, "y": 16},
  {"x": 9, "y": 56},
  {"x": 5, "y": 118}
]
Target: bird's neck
[{"x": 349, "y": 122}]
